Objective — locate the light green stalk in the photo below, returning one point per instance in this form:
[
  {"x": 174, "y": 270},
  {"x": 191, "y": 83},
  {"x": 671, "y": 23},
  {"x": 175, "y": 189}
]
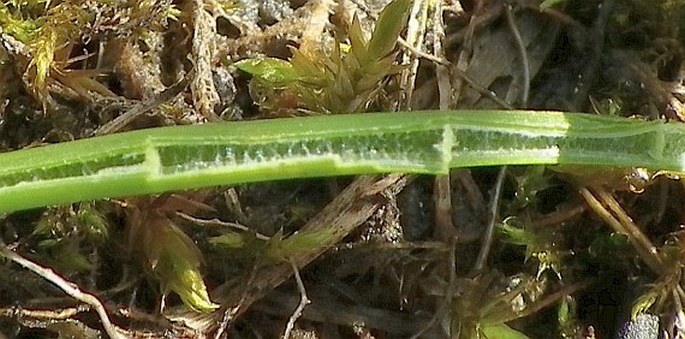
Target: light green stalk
[{"x": 183, "y": 157}]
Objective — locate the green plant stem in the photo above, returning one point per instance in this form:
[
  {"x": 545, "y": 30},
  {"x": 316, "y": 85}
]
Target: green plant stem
[{"x": 183, "y": 157}]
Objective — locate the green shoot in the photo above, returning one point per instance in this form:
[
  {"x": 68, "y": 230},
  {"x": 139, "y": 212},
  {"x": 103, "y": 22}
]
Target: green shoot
[{"x": 339, "y": 83}]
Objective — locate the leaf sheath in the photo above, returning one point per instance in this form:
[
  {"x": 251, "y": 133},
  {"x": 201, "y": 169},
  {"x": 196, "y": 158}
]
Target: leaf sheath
[{"x": 183, "y": 157}]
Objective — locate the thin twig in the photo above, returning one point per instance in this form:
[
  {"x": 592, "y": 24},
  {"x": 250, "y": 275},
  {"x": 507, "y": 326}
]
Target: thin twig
[
  {"x": 442, "y": 208},
  {"x": 422, "y": 54},
  {"x": 441, "y": 71},
  {"x": 490, "y": 230},
  {"x": 480, "y": 89},
  {"x": 550, "y": 299},
  {"x": 649, "y": 258},
  {"x": 416, "y": 29},
  {"x": 304, "y": 300},
  {"x": 230, "y": 314},
  {"x": 558, "y": 217},
  {"x": 232, "y": 202},
  {"x": 219, "y": 222},
  {"x": 632, "y": 229},
  {"x": 460, "y": 73},
  {"x": 523, "y": 53},
  {"x": 442, "y": 194},
  {"x": 441, "y": 61},
  {"x": 69, "y": 288},
  {"x": 54, "y": 315},
  {"x": 145, "y": 106}
]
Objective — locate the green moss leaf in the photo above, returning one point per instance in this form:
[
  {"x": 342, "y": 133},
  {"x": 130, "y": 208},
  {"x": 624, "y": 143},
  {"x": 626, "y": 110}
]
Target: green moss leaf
[
  {"x": 177, "y": 266},
  {"x": 272, "y": 70},
  {"x": 280, "y": 248},
  {"x": 228, "y": 240},
  {"x": 500, "y": 331},
  {"x": 390, "y": 23},
  {"x": 173, "y": 259},
  {"x": 188, "y": 284},
  {"x": 551, "y": 3}
]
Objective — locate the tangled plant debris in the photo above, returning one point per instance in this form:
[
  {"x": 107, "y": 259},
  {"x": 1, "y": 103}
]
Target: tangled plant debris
[{"x": 518, "y": 252}]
